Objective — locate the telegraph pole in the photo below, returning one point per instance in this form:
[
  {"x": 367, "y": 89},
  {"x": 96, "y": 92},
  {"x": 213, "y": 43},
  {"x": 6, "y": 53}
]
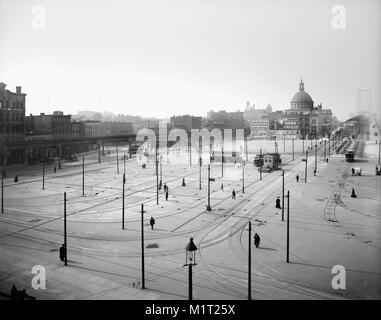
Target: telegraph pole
[
  {"x": 83, "y": 176},
  {"x": 329, "y": 148},
  {"x": 208, "y": 207},
  {"x": 282, "y": 195},
  {"x": 288, "y": 226},
  {"x": 99, "y": 153},
  {"x": 325, "y": 149},
  {"x": 124, "y": 162},
  {"x": 246, "y": 150},
  {"x": 142, "y": 244},
  {"x": 65, "y": 234},
  {"x": 249, "y": 265},
  {"x": 123, "y": 183},
  {"x": 315, "y": 156}
]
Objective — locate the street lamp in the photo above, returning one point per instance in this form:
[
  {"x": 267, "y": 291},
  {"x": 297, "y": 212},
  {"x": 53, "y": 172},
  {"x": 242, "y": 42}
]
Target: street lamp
[{"x": 190, "y": 261}]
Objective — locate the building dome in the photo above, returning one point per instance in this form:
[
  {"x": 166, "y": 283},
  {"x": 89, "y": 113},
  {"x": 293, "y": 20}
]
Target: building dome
[{"x": 302, "y": 100}]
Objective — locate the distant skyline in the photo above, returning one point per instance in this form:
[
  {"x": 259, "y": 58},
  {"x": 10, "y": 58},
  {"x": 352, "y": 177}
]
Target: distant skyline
[{"x": 159, "y": 58}]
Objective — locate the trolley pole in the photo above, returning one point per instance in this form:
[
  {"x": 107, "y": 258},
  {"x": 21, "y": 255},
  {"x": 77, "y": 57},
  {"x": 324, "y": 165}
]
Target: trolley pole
[
  {"x": 65, "y": 233},
  {"x": 288, "y": 226},
  {"x": 142, "y": 244},
  {"x": 282, "y": 195},
  {"x": 200, "y": 164},
  {"x": 249, "y": 266}
]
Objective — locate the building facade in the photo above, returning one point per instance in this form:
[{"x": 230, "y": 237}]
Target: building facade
[
  {"x": 57, "y": 125},
  {"x": 185, "y": 122}
]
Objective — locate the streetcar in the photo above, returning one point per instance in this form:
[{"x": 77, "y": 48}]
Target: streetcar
[
  {"x": 268, "y": 161},
  {"x": 350, "y": 156}
]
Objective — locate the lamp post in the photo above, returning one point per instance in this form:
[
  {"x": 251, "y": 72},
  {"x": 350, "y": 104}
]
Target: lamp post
[
  {"x": 190, "y": 261},
  {"x": 83, "y": 176},
  {"x": 288, "y": 226},
  {"x": 124, "y": 162},
  {"x": 282, "y": 195},
  {"x": 325, "y": 149},
  {"x": 161, "y": 170},
  {"x": 65, "y": 234},
  {"x": 249, "y": 265}
]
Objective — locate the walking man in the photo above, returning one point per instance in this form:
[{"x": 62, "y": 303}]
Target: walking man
[
  {"x": 297, "y": 178},
  {"x": 277, "y": 205},
  {"x": 353, "y": 195},
  {"x": 233, "y": 194},
  {"x": 166, "y": 195},
  {"x": 314, "y": 172},
  {"x": 152, "y": 222}
]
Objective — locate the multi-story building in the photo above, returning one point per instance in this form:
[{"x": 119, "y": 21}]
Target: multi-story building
[
  {"x": 226, "y": 120},
  {"x": 77, "y": 129},
  {"x": 185, "y": 122},
  {"x": 313, "y": 121},
  {"x": 251, "y": 113},
  {"x": 57, "y": 125},
  {"x": 117, "y": 128},
  {"x": 93, "y": 128},
  {"x": 12, "y": 113}
]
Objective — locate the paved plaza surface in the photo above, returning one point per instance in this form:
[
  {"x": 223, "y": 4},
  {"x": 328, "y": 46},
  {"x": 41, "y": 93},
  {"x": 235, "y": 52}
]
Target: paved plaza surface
[{"x": 327, "y": 228}]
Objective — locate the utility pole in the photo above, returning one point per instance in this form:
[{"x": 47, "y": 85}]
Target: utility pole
[
  {"x": 243, "y": 177},
  {"x": 288, "y": 226},
  {"x": 325, "y": 149},
  {"x": 65, "y": 234},
  {"x": 142, "y": 244},
  {"x": 303, "y": 147},
  {"x": 329, "y": 148},
  {"x": 43, "y": 176},
  {"x": 292, "y": 149},
  {"x": 305, "y": 174},
  {"x": 123, "y": 183},
  {"x": 249, "y": 265},
  {"x": 2, "y": 191},
  {"x": 157, "y": 180},
  {"x": 222, "y": 162},
  {"x": 208, "y": 207},
  {"x": 282, "y": 195},
  {"x": 379, "y": 141},
  {"x": 246, "y": 150},
  {"x": 200, "y": 164},
  {"x": 99, "y": 153},
  {"x": 117, "y": 160},
  {"x": 315, "y": 156},
  {"x": 161, "y": 169},
  {"x": 83, "y": 176},
  {"x": 124, "y": 162}
]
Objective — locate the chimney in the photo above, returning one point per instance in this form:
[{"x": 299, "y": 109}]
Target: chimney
[{"x": 18, "y": 90}]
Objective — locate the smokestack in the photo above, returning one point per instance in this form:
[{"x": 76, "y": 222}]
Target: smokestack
[{"x": 18, "y": 90}]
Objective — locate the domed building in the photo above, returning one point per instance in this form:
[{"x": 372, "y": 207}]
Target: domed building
[
  {"x": 302, "y": 100},
  {"x": 313, "y": 122}
]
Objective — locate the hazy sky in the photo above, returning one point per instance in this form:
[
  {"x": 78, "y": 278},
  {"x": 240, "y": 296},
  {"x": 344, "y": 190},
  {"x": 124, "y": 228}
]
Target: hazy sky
[{"x": 159, "y": 58}]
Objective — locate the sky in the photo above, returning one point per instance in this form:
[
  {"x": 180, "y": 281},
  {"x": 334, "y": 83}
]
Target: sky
[{"x": 159, "y": 58}]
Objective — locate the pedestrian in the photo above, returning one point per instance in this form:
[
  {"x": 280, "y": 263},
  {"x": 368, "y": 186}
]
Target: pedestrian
[
  {"x": 327, "y": 160},
  {"x": 314, "y": 172},
  {"x": 222, "y": 186},
  {"x": 55, "y": 169},
  {"x": 166, "y": 195},
  {"x": 165, "y": 187},
  {"x": 152, "y": 222},
  {"x": 297, "y": 178},
  {"x": 16, "y": 178},
  {"x": 62, "y": 252},
  {"x": 277, "y": 204},
  {"x": 233, "y": 194},
  {"x": 353, "y": 171},
  {"x": 353, "y": 195},
  {"x": 257, "y": 240}
]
